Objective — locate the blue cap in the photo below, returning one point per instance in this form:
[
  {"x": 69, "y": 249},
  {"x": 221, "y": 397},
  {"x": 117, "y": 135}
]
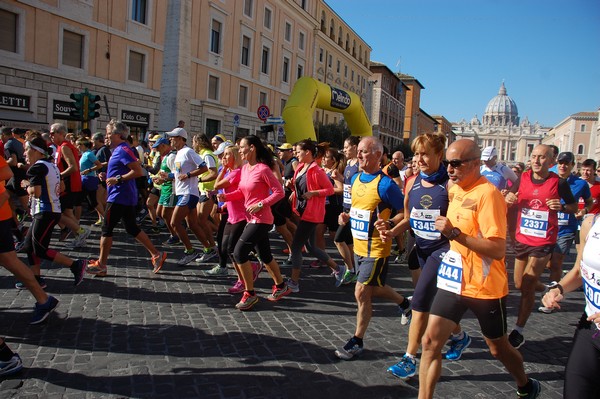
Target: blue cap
[{"x": 160, "y": 141}]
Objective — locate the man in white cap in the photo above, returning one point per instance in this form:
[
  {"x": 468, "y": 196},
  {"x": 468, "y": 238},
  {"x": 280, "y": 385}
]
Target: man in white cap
[{"x": 497, "y": 173}]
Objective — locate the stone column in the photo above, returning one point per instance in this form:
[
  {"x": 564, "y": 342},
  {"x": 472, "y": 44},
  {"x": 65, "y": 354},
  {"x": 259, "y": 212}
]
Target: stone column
[{"x": 175, "y": 83}]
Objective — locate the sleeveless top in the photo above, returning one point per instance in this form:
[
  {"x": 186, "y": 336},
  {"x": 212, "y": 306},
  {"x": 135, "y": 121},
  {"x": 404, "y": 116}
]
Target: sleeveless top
[
  {"x": 425, "y": 205},
  {"x": 537, "y": 224},
  {"x": 590, "y": 270},
  {"x": 73, "y": 181},
  {"x": 45, "y": 174},
  {"x": 349, "y": 171}
]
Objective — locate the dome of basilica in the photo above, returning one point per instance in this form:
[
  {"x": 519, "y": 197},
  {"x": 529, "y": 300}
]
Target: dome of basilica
[{"x": 501, "y": 110}]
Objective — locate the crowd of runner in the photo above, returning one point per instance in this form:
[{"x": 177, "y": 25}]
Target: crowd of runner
[{"x": 451, "y": 213}]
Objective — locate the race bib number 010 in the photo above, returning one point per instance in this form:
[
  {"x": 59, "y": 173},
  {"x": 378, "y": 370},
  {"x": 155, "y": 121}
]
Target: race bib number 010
[{"x": 359, "y": 223}]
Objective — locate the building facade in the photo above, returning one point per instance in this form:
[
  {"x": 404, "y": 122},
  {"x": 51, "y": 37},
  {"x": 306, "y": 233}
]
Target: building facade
[
  {"x": 413, "y": 107},
  {"x": 387, "y": 105},
  {"x": 155, "y": 62},
  {"x": 502, "y": 128},
  {"x": 576, "y": 133}
]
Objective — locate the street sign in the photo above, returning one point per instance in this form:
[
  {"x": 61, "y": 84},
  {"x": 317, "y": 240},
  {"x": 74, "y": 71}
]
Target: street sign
[
  {"x": 280, "y": 133},
  {"x": 236, "y": 120},
  {"x": 263, "y": 112},
  {"x": 275, "y": 120}
]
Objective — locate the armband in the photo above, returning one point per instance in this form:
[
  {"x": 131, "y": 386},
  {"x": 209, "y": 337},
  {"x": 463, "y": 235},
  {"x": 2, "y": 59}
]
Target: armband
[
  {"x": 171, "y": 175},
  {"x": 189, "y": 175}
]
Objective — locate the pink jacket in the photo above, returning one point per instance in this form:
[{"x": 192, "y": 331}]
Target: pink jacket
[
  {"x": 316, "y": 180},
  {"x": 258, "y": 184}
]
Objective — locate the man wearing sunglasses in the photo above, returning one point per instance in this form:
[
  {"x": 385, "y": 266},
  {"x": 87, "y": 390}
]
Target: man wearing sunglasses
[
  {"x": 472, "y": 274},
  {"x": 539, "y": 195}
]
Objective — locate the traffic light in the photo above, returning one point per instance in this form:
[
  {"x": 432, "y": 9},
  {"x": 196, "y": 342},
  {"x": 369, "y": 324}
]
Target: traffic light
[
  {"x": 93, "y": 106},
  {"x": 78, "y": 103}
]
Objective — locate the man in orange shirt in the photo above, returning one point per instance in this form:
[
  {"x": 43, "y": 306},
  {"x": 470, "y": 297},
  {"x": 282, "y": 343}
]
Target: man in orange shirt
[{"x": 472, "y": 274}]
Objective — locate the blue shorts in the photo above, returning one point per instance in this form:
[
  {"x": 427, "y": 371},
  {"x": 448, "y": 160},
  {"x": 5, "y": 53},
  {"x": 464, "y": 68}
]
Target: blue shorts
[
  {"x": 564, "y": 243},
  {"x": 187, "y": 200},
  {"x": 371, "y": 271}
]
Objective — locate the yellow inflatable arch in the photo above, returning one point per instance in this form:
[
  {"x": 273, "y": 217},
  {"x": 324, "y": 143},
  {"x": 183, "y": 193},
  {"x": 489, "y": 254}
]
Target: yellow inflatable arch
[{"x": 308, "y": 94}]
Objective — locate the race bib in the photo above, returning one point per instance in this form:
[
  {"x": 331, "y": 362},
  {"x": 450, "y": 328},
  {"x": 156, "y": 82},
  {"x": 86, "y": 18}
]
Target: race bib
[
  {"x": 534, "y": 223},
  {"x": 347, "y": 196},
  {"x": 359, "y": 223},
  {"x": 449, "y": 276},
  {"x": 422, "y": 221},
  {"x": 563, "y": 219},
  {"x": 591, "y": 289}
]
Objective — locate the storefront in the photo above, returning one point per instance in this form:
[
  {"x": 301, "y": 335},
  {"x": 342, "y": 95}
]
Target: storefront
[
  {"x": 138, "y": 122},
  {"x": 17, "y": 111}
]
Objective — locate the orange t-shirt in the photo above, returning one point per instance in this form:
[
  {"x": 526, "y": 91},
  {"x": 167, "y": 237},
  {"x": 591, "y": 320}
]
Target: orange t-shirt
[{"x": 479, "y": 211}]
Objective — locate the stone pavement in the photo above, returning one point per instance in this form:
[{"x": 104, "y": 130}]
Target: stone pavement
[{"x": 177, "y": 335}]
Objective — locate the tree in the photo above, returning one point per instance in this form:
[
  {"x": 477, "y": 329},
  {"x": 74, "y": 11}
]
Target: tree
[{"x": 333, "y": 133}]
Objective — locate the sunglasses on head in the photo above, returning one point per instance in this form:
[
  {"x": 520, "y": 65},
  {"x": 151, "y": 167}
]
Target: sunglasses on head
[{"x": 457, "y": 163}]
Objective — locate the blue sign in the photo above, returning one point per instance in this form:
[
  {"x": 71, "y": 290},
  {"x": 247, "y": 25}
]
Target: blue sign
[{"x": 236, "y": 120}]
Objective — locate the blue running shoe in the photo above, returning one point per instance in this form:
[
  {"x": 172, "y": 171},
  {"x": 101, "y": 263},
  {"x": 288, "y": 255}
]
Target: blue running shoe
[
  {"x": 534, "y": 390},
  {"x": 11, "y": 366},
  {"x": 457, "y": 347},
  {"x": 351, "y": 349},
  {"x": 41, "y": 312},
  {"x": 405, "y": 368}
]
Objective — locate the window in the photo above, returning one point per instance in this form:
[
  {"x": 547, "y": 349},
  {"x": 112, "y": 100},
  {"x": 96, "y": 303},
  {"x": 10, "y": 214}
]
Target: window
[
  {"x": 352, "y": 76},
  {"x": 346, "y": 71},
  {"x": 580, "y": 147},
  {"x": 246, "y": 43},
  {"x": 136, "y": 66},
  {"x": 583, "y": 128},
  {"x": 338, "y": 66},
  {"x": 138, "y": 11},
  {"x": 243, "y": 97},
  {"x": 213, "y": 88},
  {"x": 267, "y": 20},
  {"x": 321, "y": 55},
  {"x": 286, "y": 70},
  {"x": 288, "y": 32},
  {"x": 264, "y": 66},
  {"x": 248, "y": 7},
  {"x": 262, "y": 98},
  {"x": 303, "y": 4},
  {"x": 300, "y": 72},
  {"x": 215, "y": 37},
  {"x": 72, "y": 49},
  {"x": 8, "y": 31},
  {"x": 329, "y": 60},
  {"x": 213, "y": 126},
  {"x": 301, "y": 41}
]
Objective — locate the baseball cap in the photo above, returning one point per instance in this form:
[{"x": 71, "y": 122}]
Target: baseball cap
[
  {"x": 488, "y": 153},
  {"x": 222, "y": 147},
  {"x": 162, "y": 140},
  {"x": 178, "y": 132},
  {"x": 566, "y": 157},
  {"x": 219, "y": 137},
  {"x": 155, "y": 137},
  {"x": 285, "y": 146}
]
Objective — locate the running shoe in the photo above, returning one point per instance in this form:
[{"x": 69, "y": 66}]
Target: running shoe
[
  {"x": 237, "y": 287},
  {"x": 11, "y": 366},
  {"x": 293, "y": 286},
  {"x": 94, "y": 267},
  {"x": 161, "y": 223},
  {"x": 287, "y": 262},
  {"x": 339, "y": 275},
  {"x": 41, "y": 312},
  {"x": 79, "y": 240},
  {"x": 141, "y": 216},
  {"x": 154, "y": 230},
  {"x": 172, "y": 241},
  {"x": 188, "y": 257},
  {"x": 158, "y": 261},
  {"x": 208, "y": 256},
  {"x": 99, "y": 222},
  {"x": 256, "y": 269},
  {"x": 19, "y": 246},
  {"x": 534, "y": 390},
  {"x": 457, "y": 347},
  {"x": 349, "y": 277},
  {"x": 405, "y": 314},
  {"x": 316, "y": 264},
  {"x": 247, "y": 302},
  {"x": 350, "y": 350},
  {"x": 217, "y": 271},
  {"x": 279, "y": 293},
  {"x": 516, "y": 339},
  {"x": 546, "y": 310},
  {"x": 41, "y": 281},
  {"x": 78, "y": 269},
  {"x": 405, "y": 368}
]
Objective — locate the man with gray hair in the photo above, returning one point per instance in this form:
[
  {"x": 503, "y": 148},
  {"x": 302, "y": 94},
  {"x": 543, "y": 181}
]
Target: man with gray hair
[
  {"x": 374, "y": 195},
  {"x": 123, "y": 169}
]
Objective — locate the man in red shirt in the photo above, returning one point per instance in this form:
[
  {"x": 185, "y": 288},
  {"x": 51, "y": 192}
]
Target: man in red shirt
[{"x": 587, "y": 173}]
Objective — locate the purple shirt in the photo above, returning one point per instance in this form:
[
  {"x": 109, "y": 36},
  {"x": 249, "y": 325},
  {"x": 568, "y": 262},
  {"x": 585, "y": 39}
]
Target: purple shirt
[{"x": 126, "y": 192}]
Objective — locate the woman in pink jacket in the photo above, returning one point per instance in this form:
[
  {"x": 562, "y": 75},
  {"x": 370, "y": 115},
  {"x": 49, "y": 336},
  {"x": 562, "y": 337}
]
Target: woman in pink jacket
[
  {"x": 260, "y": 189},
  {"x": 311, "y": 187}
]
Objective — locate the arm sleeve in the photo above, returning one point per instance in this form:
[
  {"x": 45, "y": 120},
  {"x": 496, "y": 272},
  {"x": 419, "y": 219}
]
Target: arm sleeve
[{"x": 564, "y": 190}]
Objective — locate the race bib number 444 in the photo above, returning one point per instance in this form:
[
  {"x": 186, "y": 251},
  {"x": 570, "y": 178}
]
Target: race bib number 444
[{"x": 450, "y": 273}]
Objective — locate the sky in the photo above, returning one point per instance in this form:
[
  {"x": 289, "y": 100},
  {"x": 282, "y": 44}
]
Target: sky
[{"x": 547, "y": 52}]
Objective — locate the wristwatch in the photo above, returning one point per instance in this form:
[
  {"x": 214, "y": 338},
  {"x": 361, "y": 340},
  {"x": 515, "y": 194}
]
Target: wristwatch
[
  {"x": 260, "y": 204},
  {"x": 119, "y": 179},
  {"x": 454, "y": 233}
]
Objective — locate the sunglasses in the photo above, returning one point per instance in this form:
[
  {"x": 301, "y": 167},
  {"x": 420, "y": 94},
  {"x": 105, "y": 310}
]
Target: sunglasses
[{"x": 457, "y": 163}]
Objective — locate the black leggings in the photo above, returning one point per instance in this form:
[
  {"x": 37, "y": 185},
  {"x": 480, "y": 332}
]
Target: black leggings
[
  {"x": 113, "y": 215},
  {"x": 38, "y": 237},
  {"x": 231, "y": 236},
  {"x": 305, "y": 234},
  {"x": 426, "y": 287},
  {"x": 221, "y": 248},
  {"x": 583, "y": 366},
  {"x": 255, "y": 236}
]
